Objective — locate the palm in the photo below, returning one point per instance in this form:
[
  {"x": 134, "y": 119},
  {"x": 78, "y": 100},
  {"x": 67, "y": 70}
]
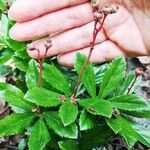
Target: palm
[{"x": 120, "y": 36}]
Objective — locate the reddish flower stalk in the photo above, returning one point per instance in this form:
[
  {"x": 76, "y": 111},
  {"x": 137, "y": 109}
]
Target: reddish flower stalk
[
  {"x": 95, "y": 33},
  {"x": 48, "y": 45},
  {"x": 138, "y": 72}
]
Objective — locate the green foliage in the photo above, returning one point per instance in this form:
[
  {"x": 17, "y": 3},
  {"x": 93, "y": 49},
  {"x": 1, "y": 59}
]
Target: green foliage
[
  {"x": 128, "y": 102},
  {"x": 14, "y": 96},
  {"x": 43, "y": 97},
  {"x": 39, "y": 136},
  {"x": 32, "y": 75},
  {"x": 54, "y": 122},
  {"x": 15, "y": 124},
  {"x": 88, "y": 78},
  {"x": 68, "y": 112},
  {"x": 86, "y": 121},
  {"x": 55, "y": 78},
  {"x": 112, "y": 77},
  {"x": 66, "y": 145},
  {"x": 97, "y": 107}
]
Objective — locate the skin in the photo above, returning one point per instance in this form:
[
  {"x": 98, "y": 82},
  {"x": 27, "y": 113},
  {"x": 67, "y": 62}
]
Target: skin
[{"x": 70, "y": 23}]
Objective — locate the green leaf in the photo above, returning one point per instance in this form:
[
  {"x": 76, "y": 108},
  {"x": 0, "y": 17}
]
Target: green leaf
[
  {"x": 55, "y": 78},
  {"x": 128, "y": 102},
  {"x": 96, "y": 137},
  {"x": 143, "y": 134},
  {"x": 112, "y": 77},
  {"x": 32, "y": 75},
  {"x": 15, "y": 45},
  {"x": 86, "y": 121},
  {"x": 4, "y": 25},
  {"x": 97, "y": 106},
  {"x": 127, "y": 132},
  {"x": 142, "y": 113},
  {"x": 21, "y": 64},
  {"x": 88, "y": 78},
  {"x": 123, "y": 89},
  {"x": 114, "y": 124},
  {"x": 39, "y": 136},
  {"x": 4, "y": 70},
  {"x": 2, "y": 6},
  {"x": 43, "y": 97},
  {"x": 5, "y": 55},
  {"x": 68, "y": 145},
  {"x": 68, "y": 112},
  {"x": 55, "y": 123},
  {"x": 15, "y": 124},
  {"x": 2, "y": 43},
  {"x": 14, "y": 96}
]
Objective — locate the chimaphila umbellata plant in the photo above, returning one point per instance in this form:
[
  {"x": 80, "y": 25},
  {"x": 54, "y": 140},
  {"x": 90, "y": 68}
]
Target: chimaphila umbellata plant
[{"x": 54, "y": 112}]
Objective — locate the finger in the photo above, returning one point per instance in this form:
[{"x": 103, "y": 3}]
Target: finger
[
  {"x": 52, "y": 23},
  {"x": 23, "y": 10},
  {"x": 103, "y": 52},
  {"x": 76, "y": 38},
  {"x": 121, "y": 28}
]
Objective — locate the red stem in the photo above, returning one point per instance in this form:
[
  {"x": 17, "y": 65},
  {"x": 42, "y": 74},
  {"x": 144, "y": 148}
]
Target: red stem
[
  {"x": 132, "y": 85},
  {"x": 95, "y": 33}
]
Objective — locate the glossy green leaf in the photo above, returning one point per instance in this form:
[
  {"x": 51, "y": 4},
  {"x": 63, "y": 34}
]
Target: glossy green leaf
[
  {"x": 86, "y": 121},
  {"x": 21, "y": 64},
  {"x": 128, "y": 102},
  {"x": 5, "y": 55},
  {"x": 4, "y": 70},
  {"x": 97, "y": 106},
  {"x": 2, "y": 6},
  {"x": 127, "y": 132},
  {"x": 43, "y": 97},
  {"x": 55, "y": 123},
  {"x": 68, "y": 145},
  {"x": 88, "y": 78},
  {"x": 14, "y": 96},
  {"x": 32, "y": 75},
  {"x": 4, "y": 25},
  {"x": 114, "y": 124},
  {"x": 143, "y": 134},
  {"x": 123, "y": 89},
  {"x": 55, "y": 78},
  {"x": 142, "y": 113},
  {"x": 95, "y": 137},
  {"x": 15, "y": 124},
  {"x": 39, "y": 136},
  {"x": 68, "y": 112},
  {"x": 15, "y": 45},
  {"x": 112, "y": 77}
]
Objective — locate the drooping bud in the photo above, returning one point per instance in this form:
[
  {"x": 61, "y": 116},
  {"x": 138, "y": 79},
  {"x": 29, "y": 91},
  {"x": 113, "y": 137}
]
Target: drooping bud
[
  {"x": 62, "y": 98},
  {"x": 116, "y": 112},
  {"x": 48, "y": 43},
  {"x": 110, "y": 9},
  {"x": 97, "y": 16},
  {"x": 139, "y": 72},
  {"x": 95, "y": 3}
]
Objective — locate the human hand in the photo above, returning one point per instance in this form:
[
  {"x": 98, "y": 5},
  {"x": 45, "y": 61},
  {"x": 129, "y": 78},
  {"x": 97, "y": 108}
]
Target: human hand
[{"x": 70, "y": 22}]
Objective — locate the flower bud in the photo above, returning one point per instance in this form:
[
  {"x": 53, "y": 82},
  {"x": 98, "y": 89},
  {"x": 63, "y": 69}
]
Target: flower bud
[
  {"x": 97, "y": 15},
  {"x": 110, "y": 9},
  {"x": 95, "y": 3},
  {"x": 139, "y": 72}
]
